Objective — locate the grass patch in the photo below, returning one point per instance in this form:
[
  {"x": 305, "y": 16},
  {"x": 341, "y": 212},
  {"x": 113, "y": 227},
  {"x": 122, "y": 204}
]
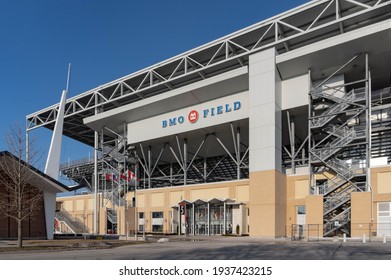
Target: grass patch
[{"x": 67, "y": 245}]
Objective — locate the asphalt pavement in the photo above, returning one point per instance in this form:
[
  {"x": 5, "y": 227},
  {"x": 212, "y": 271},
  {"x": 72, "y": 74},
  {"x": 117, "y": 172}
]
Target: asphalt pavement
[{"x": 217, "y": 248}]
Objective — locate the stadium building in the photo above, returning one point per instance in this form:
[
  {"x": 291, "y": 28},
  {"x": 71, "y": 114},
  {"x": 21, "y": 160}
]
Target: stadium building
[{"x": 280, "y": 129}]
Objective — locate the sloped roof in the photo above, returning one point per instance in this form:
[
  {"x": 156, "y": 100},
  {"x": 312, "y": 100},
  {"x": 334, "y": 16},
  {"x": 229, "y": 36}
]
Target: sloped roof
[{"x": 44, "y": 181}]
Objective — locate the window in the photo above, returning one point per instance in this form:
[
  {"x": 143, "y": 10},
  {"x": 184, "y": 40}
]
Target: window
[
  {"x": 157, "y": 215},
  {"x": 384, "y": 207},
  {"x": 141, "y": 215},
  {"x": 384, "y": 219},
  {"x": 301, "y": 209},
  {"x": 157, "y": 228}
]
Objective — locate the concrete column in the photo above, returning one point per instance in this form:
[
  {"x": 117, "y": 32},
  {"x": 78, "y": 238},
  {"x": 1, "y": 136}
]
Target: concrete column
[
  {"x": 267, "y": 183},
  {"x": 314, "y": 215},
  {"x": 49, "y": 199},
  {"x": 265, "y": 112},
  {"x": 361, "y": 220}
]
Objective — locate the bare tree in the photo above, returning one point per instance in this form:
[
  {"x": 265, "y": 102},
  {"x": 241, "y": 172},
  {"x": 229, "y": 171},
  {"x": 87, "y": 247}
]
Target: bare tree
[{"x": 19, "y": 198}]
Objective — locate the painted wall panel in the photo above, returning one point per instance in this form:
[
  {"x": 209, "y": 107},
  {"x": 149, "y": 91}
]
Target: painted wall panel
[
  {"x": 175, "y": 197},
  {"x": 295, "y": 92},
  {"x": 301, "y": 189},
  {"x": 157, "y": 199},
  {"x": 140, "y": 200},
  {"x": 209, "y": 193},
  {"x": 242, "y": 193},
  {"x": 222, "y": 110},
  {"x": 383, "y": 181}
]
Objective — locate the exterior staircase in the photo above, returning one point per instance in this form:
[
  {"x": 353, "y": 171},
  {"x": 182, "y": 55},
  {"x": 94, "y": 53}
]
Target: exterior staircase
[{"x": 334, "y": 177}]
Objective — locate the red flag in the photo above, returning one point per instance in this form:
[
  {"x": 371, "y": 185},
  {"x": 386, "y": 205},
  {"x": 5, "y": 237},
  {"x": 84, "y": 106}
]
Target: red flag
[{"x": 131, "y": 176}]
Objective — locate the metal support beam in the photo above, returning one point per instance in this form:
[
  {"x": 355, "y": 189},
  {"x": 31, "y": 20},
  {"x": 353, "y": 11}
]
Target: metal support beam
[
  {"x": 291, "y": 130},
  {"x": 238, "y": 153},
  {"x": 368, "y": 121},
  {"x": 236, "y": 142},
  {"x": 149, "y": 167},
  {"x": 96, "y": 184},
  {"x": 208, "y": 232},
  {"x": 225, "y": 218},
  {"x": 197, "y": 152},
  {"x": 185, "y": 162}
]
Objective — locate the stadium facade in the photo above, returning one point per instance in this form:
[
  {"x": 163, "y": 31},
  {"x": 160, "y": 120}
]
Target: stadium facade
[{"x": 279, "y": 129}]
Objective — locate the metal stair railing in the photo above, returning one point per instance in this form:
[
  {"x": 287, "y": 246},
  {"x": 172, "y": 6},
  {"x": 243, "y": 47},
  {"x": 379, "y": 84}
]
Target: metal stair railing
[
  {"x": 341, "y": 104},
  {"x": 342, "y": 219},
  {"x": 115, "y": 199},
  {"x": 333, "y": 184},
  {"x": 354, "y": 95},
  {"x": 113, "y": 153},
  {"x": 338, "y": 200},
  {"x": 328, "y": 115},
  {"x": 345, "y": 172},
  {"x": 63, "y": 223},
  {"x": 72, "y": 223},
  {"x": 337, "y": 131},
  {"x": 334, "y": 146},
  {"x": 118, "y": 200},
  {"x": 112, "y": 216}
]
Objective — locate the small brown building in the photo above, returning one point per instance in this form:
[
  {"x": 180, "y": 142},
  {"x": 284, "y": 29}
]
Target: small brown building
[{"x": 39, "y": 224}]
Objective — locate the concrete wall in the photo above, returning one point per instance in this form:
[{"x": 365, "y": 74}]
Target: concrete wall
[
  {"x": 168, "y": 198},
  {"x": 295, "y": 92},
  {"x": 295, "y": 198},
  {"x": 265, "y": 112},
  {"x": 361, "y": 219},
  {"x": 223, "y": 110},
  {"x": 267, "y": 184},
  {"x": 157, "y": 200},
  {"x": 267, "y": 203},
  {"x": 314, "y": 215}
]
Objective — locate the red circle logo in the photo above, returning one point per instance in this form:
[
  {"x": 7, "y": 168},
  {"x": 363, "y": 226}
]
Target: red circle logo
[{"x": 193, "y": 116}]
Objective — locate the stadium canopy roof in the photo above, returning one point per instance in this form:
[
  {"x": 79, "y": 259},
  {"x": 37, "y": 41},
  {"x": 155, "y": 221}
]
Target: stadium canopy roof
[{"x": 309, "y": 23}]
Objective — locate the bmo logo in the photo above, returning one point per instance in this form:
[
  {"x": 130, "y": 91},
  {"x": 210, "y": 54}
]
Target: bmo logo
[{"x": 193, "y": 116}]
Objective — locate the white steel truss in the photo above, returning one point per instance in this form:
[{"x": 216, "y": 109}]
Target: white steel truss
[{"x": 306, "y": 24}]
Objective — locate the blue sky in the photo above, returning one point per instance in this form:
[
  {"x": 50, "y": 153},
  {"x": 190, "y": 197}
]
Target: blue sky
[{"x": 103, "y": 40}]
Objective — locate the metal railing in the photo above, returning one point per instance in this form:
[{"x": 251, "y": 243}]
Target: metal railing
[
  {"x": 74, "y": 224},
  {"x": 115, "y": 198},
  {"x": 309, "y": 232},
  {"x": 112, "y": 216},
  {"x": 337, "y": 200},
  {"x": 334, "y": 146},
  {"x": 338, "y": 223},
  {"x": 341, "y": 104},
  {"x": 345, "y": 231}
]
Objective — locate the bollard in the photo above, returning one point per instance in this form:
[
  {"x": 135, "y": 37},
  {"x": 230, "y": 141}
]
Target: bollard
[
  {"x": 363, "y": 238},
  {"x": 384, "y": 238},
  {"x": 344, "y": 238}
]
